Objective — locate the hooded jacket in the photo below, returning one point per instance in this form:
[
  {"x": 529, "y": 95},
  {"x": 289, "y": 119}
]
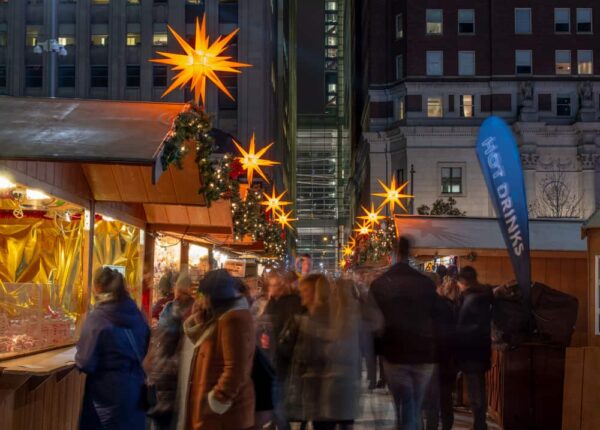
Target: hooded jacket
[{"x": 115, "y": 379}]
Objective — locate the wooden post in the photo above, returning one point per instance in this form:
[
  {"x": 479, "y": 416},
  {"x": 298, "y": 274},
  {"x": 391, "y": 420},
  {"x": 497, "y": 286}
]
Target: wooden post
[{"x": 148, "y": 273}]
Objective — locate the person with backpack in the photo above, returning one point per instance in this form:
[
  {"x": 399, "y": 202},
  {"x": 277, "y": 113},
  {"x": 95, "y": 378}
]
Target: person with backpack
[{"x": 110, "y": 351}]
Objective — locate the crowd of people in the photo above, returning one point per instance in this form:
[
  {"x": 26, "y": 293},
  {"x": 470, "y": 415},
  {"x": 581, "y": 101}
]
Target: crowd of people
[{"x": 288, "y": 347}]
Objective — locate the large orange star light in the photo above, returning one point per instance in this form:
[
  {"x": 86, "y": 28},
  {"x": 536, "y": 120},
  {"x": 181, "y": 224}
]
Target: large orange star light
[
  {"x": 200, "y": 62},
  {"x": 252, "y": 161},
  {"x": 273, "y": 202},
  {"x": 393, "y": 195},
  {"x": 363, "y": 229},
  {"x": 284, "y": 219},
  {"x": 372, "y": 216},
  {"x": 348, "y": 251}
]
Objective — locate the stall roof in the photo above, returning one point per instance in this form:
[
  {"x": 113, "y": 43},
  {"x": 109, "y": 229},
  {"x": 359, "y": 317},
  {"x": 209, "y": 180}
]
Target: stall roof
[
  {"x": 90, "y": 131},
  {"x": 484, "y": 233}
]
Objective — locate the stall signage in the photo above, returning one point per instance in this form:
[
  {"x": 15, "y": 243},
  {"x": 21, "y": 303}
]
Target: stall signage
[
  {"x": 501, "y": 166},
  {"x": 236, "y": 268}
]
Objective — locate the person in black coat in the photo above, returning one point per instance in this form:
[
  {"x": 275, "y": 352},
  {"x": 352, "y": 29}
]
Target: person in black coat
[
  {"x": 113, "y": 342},
  {"x": 474, "y": 340},
  {"x": 407, "y": 301}
]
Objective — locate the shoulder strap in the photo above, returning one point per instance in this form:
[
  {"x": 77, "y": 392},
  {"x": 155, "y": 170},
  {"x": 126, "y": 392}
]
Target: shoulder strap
[{"x": 133, "y": 344}]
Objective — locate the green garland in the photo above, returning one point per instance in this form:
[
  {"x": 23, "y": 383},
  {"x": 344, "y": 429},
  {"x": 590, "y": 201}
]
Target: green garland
[{"x": 375, "y": 246}]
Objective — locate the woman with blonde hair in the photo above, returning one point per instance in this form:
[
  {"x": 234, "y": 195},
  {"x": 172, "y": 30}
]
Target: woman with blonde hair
[{"x": 325, "y": 373}]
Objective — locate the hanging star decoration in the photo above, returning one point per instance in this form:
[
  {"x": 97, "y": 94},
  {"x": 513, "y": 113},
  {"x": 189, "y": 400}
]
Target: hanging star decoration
[
  {"x": 348, "y": 251},
  {"x": 363, "y": 229},
  {"x": 273, "y": 202},
  {"x": 393, "y": 195},
  {"x": 343, "y": 263},
  {"x": 284, "y": 219},
  {"x": 352, "y": 243},
  {"x": 201, "y": 62},
  {"x": 252, "y": 161},
  {"x": 372, "y": 216}
]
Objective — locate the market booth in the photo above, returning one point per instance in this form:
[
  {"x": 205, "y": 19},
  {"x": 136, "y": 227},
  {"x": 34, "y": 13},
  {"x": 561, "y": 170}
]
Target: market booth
[
  {"x": 525, "y": 384},
  {"x": 80, "y": 188}
]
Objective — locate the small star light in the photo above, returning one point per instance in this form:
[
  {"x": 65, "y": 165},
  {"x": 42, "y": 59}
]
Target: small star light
[
  {"x": 348, "y": 251},
  {"x": 372, "y": 216},
  {"x": 343, "y": 263},
  {"x": 284, "y": 219},
  {"x": 252, "y": 161},
  {"x": 200, "y": 62},
  {"x": 393, "y": 195},
  {"x": 363, "y": 229},
  {"x": 274, "y": 202}
]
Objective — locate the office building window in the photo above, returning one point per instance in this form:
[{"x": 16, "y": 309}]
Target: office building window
[
  {"x": 467, "y": 109},
  {"x": 99, "y": 76},
  {"x": 66, "y": 34},
  {"x": 3, "y": 34},
  {"x": 133, "y": 1},
  {"x": 194, "y": 1},
  {"x": 159, "y": 36},
  {"x": 435, "y": 108},
  {"x": 435, "y": 63},
  {"x": 399, "y": 26},
  {"x": 66, "y": 1},
  {"x": 435, "y": 18},
  {"x": 584, "y": 20},
  {"x": 562, "y": 62},
  {"x": 563, "y": 105},
  {"x": 34, "y": 76},
  {"x": 66, "y": 40},
  {"x": 160, "y": 1},
  {"x": 562, "y": 20},
  {"x": 523, "y": 62},
  {"x": 399, "y": 67},
  {"x": 523, "y": 21},
  {"x": 452, "y": 180},
  {"x": 133, "y": 76},
  {"x": 66, "y": 76},
  {"x": 134, "y": 37},
  {"x": 100, "y": 1},
  {"x": 159, "y": 76},
  {"x": 228, "y": 12},
  {"x": 32, "y": 34},
  {"x": 585, "y": 62},
  {"x": 466, "y": 21},
  {"x": 466, "y": 63},
  {"x": 99, "y": 35},
  {"x": 2, "y": 76},
  {"x": 401, "y": 109}
]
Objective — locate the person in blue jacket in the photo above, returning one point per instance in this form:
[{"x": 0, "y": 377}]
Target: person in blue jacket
[{"x": 114, "y": 385}]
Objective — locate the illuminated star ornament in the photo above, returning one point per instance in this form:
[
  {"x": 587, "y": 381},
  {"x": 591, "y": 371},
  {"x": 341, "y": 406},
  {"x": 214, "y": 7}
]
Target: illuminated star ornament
[
  {"x": 372, "y": 216},
  {"x": 393, "y": 195},
  {"x": 348, "y": 251},
  {"x": 284, "y": 219},
  {"x": 274, "y": 202},
  {"x": 200, "y": 62},
  {"x": 252, "y": 161},
  {"x": 363, "y": 229}
]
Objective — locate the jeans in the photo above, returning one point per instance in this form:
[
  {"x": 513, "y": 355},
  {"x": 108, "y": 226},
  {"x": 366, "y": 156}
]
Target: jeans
[
  {"x": 431, "y": 405},
  {"x": 408, "y": 384},
  {"x": 477, "y": 397}
]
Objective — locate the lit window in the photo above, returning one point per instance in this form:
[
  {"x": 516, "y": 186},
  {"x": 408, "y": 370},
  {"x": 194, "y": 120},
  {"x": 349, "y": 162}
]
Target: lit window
[
  {"x": 585, "y": 62},
  {"x": 160, "y": 39},
  {"x": 523, "y": 62},
  {"x": 563, "y": 105},
  {"x": 435, "y": 63},
  {"x": 133, "y": 39},
  {"x": 451, "y": 180},
  {"x": 133, "y": 1},
  {"x": 99, "y": 39},
  {"x": 66, "y": 34},
  {"x": 584, "y": 20},
  {"x": 32, "y": 33},
  {"x": 401, "y": 109},
  {"x": 435, "y": 19},
  {"x": 466, "y": 106},
  {"x": 330, "y": 40},
  {"x": 3, "y": 34},
  {"x": 66, "y": 40},
  {"x": 399, "y": 67},
  {"x": 523, "y": 21},
  {"x": 399, "y": 27},
  {"x": 563, "y": 62},
  {"x": 434, "y": 107},
  {"x": 466, "y": 63},
  {"x": 100, "y": 1},
  {"x": 562, "y": 20},
  {"x": 330, "y": 5},
  {"x": 466, "y": 21}
]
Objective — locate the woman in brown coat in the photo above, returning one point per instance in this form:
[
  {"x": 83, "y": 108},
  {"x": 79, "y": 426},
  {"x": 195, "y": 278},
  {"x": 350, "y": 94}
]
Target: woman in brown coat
[{"x": 217, "y": 359}]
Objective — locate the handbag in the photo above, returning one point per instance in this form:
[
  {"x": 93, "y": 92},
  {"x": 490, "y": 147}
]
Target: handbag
[{"x": 149, "y": 396}]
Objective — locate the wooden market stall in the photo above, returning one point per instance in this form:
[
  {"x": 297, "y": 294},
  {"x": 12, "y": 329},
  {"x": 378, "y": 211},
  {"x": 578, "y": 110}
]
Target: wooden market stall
[
  {"x": 525, "y": 384},
  {"x": 101, "y": 160}
]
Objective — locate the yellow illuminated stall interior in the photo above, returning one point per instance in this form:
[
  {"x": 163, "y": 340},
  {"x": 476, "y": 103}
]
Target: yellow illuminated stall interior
[
  {"x": 42, "y": 291},
  {"x": 198, "y": 262}
]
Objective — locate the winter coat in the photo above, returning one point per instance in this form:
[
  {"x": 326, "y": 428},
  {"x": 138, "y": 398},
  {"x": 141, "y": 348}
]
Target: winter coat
[
  {"x": 324, "y": 381},
  {"x": 407, "y": 301},
  {"x": 115, "y": 379},
  {"x": 473, "y": 330},
  {"x": 159, "y": 306},
  {"x": 220, "y": 372}
]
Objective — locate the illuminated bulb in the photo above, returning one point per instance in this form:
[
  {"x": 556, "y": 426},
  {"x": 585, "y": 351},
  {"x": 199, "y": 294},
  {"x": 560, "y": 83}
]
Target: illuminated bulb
[
  {"x": 36, "y": 195},
  {"x": 107, "y": 218},
  {"x": 5, "y": 183}
]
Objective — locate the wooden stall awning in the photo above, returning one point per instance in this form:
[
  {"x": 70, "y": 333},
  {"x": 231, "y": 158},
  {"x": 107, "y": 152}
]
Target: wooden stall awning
[
  {"x": 93, "y": 131},
  {"x": 453, "y": 233}
]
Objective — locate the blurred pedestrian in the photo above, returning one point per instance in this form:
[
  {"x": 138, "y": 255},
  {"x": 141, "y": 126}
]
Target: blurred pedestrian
[
  {"x": 474, "y": 341},
  {"x": 407, "y": 300},
  {"x": 110, "y": 351},
  {"x": 325, "y": 374},
  {"x": 165, "y": 291},
  {"x": 216, "y": 390}
]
